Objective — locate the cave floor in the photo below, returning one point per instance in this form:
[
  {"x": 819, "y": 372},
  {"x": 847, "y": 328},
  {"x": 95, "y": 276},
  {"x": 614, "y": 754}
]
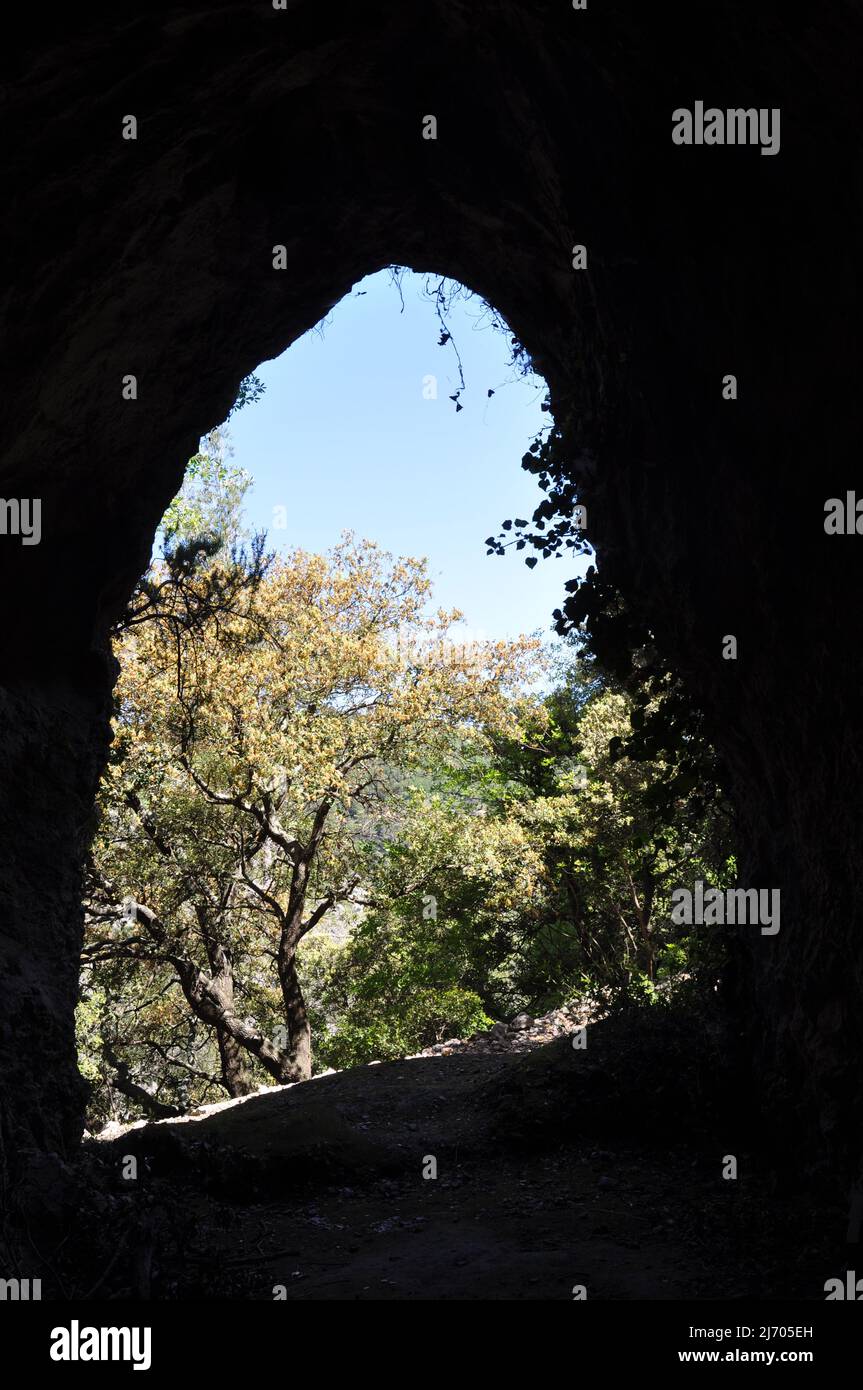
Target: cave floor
[{"x": 317, "y": 1191}]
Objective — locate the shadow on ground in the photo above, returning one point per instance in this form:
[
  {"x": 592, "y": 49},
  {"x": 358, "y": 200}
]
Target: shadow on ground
[{"x": 562, "y": 1169}]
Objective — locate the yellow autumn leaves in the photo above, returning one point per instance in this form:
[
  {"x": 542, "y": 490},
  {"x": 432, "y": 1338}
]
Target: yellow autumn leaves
[{"x": 323, "y": 673}]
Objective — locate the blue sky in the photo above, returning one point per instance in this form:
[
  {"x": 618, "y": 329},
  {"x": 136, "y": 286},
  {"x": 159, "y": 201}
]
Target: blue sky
[{"x": 343, "y": 439}]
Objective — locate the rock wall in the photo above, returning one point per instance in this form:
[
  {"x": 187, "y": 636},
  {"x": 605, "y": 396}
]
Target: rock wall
[
  {"x": 302, "y": 127},
  {"x": 54, "y": 736}
]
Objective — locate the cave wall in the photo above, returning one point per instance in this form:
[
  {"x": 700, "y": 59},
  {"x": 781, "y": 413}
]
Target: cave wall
[{"x": 303, "y": 127}]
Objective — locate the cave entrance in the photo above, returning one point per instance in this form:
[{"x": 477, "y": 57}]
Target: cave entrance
[
  {"x": 371, "y": 472},
  {"x": 365, "y": 797},
  {"x": 153, "y": 258}
]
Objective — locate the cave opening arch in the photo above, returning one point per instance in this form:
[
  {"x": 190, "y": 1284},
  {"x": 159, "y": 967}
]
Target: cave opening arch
[
  {"x": 549, "y": 136},
  {"x": 340, "y": 415}
]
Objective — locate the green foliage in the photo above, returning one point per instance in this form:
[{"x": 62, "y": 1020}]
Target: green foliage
[
  {"x": 387, "y": 993},
  {"x": 209, "y": 504},
  {"x": 555, "y": 867},
  {"x": 251, "y": 389},
  {"x": 88, "y": 1021}
]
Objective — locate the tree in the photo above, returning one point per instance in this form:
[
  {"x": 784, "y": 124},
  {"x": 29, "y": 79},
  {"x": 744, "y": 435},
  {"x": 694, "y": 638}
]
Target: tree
[
  {"x": 561, "y": 859},
  {"x": 452, "y": 889},
  {"x": 617, "y": 833},
  {"x": 258, "y": 771}
]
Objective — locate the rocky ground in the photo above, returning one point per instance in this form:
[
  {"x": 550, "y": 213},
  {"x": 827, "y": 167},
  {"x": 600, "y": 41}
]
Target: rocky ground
[{"x": 523, "y": 1033}]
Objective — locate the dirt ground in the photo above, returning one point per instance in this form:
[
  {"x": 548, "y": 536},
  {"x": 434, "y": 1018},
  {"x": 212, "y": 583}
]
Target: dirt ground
[{"x": 549, "y": 1180}]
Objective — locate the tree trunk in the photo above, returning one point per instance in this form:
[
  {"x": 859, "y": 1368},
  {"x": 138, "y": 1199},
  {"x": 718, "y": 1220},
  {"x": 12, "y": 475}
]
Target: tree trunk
[
  {"x": 299, "y": 1046},
  {"x": 210, "y": 998},
  {"x": 235, "y": 1078}
]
